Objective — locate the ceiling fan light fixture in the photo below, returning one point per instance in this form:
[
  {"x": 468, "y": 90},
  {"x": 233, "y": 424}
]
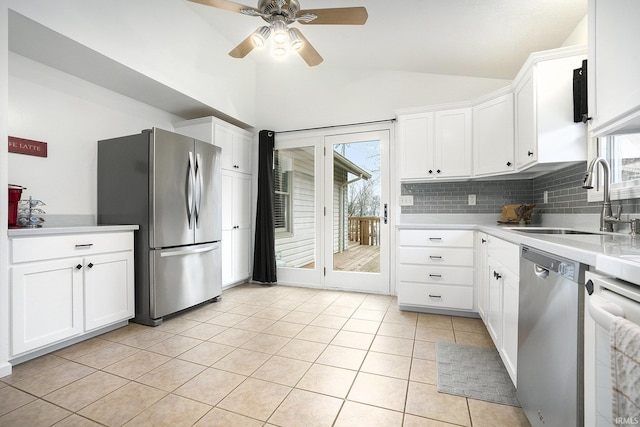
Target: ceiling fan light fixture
[
  {"x": 295, "y": 41},
  {"x": 261, "y": 35},
  {"x": 280, "y": 31},
  {"x": 279, "y": 50}
]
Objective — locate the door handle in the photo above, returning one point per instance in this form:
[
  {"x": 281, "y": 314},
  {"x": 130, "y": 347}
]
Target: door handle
[
  {"x": 199, "y": 185},
  {"x": 189, "y": 251},
  {"x": 190, "y": 184},
  {"x": 386, "y": 213}
]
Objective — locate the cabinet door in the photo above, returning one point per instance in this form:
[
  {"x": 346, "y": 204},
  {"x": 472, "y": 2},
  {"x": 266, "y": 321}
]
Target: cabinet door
[
  {"x": 526, "y": 152},
  {"x": 494, "y": 317},
  {"x": 224, "y": 139},
  {"x": 108, "y": 289},
  {"x": 452, "y": 142},
  {"x": 241, "y": 256},
  {"x": 416, "y": 146},
  {"x": 226, "y": 245},
  {"x": 242, "y": 200},
  {"x": 482, "y": 275},
  {"x": 227, "y": 200},
  {"x": 46, "y": 303},
  {"x": 510, "y": 304},
  {"x": 614, "y": 93},
  {"x": 242, "y": 152},
  {"x": 493, "y": 137}
]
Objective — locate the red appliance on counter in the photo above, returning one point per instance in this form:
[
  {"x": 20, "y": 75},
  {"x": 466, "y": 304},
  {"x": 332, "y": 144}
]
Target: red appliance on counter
[{"x": 15, "y": 192}]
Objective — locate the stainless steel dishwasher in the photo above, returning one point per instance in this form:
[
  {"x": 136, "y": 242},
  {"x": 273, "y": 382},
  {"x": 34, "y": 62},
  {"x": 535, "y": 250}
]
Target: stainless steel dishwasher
[{"x": 550, "y": 334}]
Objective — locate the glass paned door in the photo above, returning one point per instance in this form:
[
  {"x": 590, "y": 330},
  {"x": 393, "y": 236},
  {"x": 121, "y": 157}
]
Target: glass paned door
[
  {"x": 356, "y": 236},
  {"x": 297, "y": 230}
]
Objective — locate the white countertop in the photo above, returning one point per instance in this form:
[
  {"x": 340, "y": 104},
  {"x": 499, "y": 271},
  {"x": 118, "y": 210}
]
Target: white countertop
[
  {"x": 614, "y": 254},
  {"x": 68, "y": 229},
  {"x": 69, "y": 224}
]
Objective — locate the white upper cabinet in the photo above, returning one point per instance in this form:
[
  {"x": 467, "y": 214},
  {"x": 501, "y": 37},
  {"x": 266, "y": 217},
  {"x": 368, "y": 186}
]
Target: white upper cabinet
[
  {"x": 435, "y": 144},
  {"x": 236, "y": 143},
  {"x": 452, "y": 143},
  {"x": 614, "y": 91},
  {"x": 543, "y": 94},
  {"x": 416, "y": 145},
  {"x": 236, "y": 149},
  {"x": 493, "y": 138}
]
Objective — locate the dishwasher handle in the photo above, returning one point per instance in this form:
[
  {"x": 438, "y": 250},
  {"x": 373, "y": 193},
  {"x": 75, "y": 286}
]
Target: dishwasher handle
[{"x": 540, "y": 271}]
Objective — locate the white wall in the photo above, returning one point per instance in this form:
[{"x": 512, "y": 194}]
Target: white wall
[
  {"x": 302, "y": 97},
  {"x": 163, "y": 39},
  {"x": 579, "y": 35},
  {"x": 70, "y": 115}
]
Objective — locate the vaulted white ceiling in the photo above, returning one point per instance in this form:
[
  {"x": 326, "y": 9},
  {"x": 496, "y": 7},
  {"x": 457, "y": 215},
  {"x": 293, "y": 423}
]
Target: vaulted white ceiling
[{"x": 480, "y": 38}]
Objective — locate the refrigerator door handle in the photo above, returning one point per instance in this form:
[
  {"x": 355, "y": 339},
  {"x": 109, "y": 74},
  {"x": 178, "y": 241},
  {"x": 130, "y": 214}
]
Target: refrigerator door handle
[
  {"x": 199, "y": 185},
  {"x": 190, "y": 183},
  {"x": 190, "y": 251}
]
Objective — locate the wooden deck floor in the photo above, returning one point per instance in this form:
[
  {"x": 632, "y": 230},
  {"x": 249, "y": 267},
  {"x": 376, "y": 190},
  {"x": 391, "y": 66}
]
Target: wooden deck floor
[{"x": 357, "y": 257}]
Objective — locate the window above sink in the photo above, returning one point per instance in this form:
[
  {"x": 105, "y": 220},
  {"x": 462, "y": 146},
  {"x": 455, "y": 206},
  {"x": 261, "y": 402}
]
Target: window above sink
[{"x": 622, "y": 152}]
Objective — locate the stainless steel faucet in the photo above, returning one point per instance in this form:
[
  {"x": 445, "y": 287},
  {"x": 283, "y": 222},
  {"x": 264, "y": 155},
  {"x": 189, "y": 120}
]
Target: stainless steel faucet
[{"x": 606, "y": 215}]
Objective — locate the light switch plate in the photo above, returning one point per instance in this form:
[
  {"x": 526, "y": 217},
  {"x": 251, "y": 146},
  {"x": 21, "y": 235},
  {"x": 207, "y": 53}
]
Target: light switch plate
[
  {"x": 472, "y": 199},
  {"x": 406, "y": 200}
]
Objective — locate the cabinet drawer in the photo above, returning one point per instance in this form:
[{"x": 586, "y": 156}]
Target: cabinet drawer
[
  {"x": 436, "y": 256},
  {"x": 437, "y": 296},
  {"x": 508, "y": 253},
  {"x": 38, "y": 248},
  {"x": 435, "y": 274},
  {"x": 454, "y": 238}
]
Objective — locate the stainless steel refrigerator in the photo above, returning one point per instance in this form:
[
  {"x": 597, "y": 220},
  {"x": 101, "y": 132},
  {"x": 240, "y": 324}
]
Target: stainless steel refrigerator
[{"x": 169, "y": 185}]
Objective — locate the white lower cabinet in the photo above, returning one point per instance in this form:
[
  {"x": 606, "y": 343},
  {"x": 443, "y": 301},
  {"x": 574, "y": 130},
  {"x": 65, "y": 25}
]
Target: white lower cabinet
[
  {"x": 108, "y": 285},
  {"x": 435, "y": 270},
  {"x": 236, "y": 227},
  {"x": 64, "y": 286},
  {"x": 46, "y": 303},
  {"x": 502, "y": 297}
]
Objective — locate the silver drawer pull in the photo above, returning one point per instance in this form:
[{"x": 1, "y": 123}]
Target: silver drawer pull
[
  {"x": 435, "y": 257},
  {"x": 84, "y": 246},
  {"x": 435, "y": 296},
  {"x": 435, "y": 275},
  {"x": 435, "y": 238}
]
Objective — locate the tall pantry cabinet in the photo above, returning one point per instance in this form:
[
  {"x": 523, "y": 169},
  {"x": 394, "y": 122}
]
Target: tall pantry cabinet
[{"x": 237, "y": 176}]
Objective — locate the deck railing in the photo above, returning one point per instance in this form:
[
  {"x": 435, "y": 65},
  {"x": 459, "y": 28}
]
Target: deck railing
[{"x": 365, "y": 230}]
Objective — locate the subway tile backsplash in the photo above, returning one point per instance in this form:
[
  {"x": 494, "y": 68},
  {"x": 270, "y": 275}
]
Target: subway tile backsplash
[{"x": 565, "y": 195}]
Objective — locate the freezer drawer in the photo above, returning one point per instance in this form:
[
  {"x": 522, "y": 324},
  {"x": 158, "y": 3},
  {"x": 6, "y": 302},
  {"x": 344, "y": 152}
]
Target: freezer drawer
[{"x": 183, "y": 277}]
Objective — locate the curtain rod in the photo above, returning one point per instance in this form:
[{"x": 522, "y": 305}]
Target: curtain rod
[{"x": 338, "y": 126}]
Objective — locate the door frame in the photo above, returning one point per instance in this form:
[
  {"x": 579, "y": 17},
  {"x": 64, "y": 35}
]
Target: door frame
[
  {"x": 314, "y": 278},
  {"x": 354, "y": 280}
]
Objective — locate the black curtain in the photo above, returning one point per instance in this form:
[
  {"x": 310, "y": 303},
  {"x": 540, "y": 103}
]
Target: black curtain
[{"x": 264, "y": 253}]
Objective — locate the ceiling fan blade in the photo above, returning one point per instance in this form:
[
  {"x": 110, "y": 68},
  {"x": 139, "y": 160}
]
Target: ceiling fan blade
[
  {"x": 308, "y": 52},
  {"x": 226, "y": 5},
  {"x": 337, "y": 16},
  {"x": 243, "y": 48}
]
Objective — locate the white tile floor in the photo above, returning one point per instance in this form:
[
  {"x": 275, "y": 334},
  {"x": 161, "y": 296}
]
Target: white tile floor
[{"x": 263, "y": 356}]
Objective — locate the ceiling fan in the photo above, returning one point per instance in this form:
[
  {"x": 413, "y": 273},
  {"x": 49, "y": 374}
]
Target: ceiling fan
[{"x": 279, "y": 14}]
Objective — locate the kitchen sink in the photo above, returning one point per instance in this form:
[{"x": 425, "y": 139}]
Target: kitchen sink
[{"x": 545, "y": 230}]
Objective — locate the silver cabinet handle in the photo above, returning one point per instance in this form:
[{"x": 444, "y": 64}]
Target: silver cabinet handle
[
  {"x": 435, "y": 257},
  {"x": 435, "y": 239},
  {"x": 435, "y": 296},
  {"x": 84, "y": 246},
  {"x": 435, "y": 275}
]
